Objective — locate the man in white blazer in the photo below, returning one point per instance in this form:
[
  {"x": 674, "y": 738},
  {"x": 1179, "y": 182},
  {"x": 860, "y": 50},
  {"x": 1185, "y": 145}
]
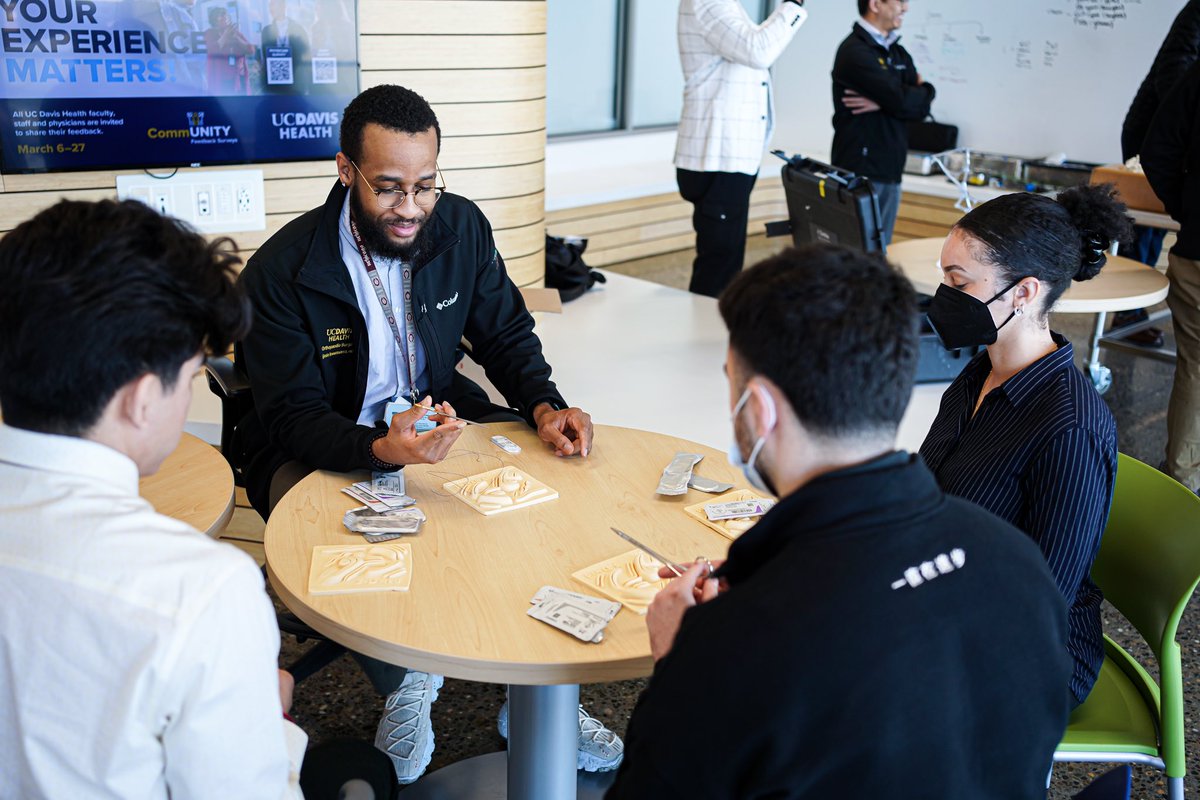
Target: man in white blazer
[{"x": 728, "y": 116}]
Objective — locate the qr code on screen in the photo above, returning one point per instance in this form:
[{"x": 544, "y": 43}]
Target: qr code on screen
[
  {"x": 324, "y": 70},
  {"x": 279, "y": 71}
]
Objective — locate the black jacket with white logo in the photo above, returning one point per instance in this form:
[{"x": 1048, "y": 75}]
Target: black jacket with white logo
[
  {"x": 875, "y": 144},
  {"x": 877, "y": 639},
  {"x": 307, "y": 356}
]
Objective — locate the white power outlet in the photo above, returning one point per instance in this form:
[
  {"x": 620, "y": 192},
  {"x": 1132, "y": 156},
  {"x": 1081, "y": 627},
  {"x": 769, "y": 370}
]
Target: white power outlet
[
  {"x": 224, "y": 194},
  {"x": 245, "y": 200},
  {"x": 204, "y": 202},
  {"x": 212, "y": 201}
]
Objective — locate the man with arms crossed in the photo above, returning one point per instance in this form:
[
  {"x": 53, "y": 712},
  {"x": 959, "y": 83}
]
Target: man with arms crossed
[
  {"x": 364, "y": 302},
  {"x": 877, "y": 91},
  {"x": 870, "y": 636},
  {"x": 137, "y": 655}
]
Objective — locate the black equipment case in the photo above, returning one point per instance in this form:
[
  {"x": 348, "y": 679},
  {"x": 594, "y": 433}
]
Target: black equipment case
[
  {"x": 829, "y": 205},
  {"x": 834, "y": 206}
]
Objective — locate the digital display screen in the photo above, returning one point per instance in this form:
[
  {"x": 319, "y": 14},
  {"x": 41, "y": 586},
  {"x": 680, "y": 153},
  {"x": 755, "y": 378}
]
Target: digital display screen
[{"x": 105, "y": 84}]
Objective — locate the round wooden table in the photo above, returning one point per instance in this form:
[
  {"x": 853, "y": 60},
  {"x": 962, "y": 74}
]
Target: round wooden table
[
  {"x": 464, "y": 615},
  {"x": 1122, "y": 284},
  {"x": 194, "y": 485}
]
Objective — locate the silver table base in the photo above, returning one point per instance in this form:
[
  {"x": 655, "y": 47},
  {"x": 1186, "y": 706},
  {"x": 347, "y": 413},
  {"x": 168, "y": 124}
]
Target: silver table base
[{"x": 543, "y": 740}]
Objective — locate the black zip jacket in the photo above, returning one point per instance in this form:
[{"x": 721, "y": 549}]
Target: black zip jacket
[
  {"x": 1179, "y": 51},
  {"x": 307, "y": 356},
  {"x": 875, "y": 145},
  {"x": 1171, "y": 159}
]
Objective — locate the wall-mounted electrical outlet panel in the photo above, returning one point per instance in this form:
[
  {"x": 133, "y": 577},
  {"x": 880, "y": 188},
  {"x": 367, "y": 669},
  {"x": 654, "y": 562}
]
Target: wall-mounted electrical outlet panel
[{"x": 212, "y": 201}]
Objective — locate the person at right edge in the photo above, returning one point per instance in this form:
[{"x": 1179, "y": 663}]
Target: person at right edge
[
  {"x": 877, "y": 91},
  {"x": 727, "y": 119},
  {"x": 1021, "y": 431},
  {"x": 1177, "y": 53},
  {"x": 1171, "y": 160},
  {"x": 869, "y": 637}
]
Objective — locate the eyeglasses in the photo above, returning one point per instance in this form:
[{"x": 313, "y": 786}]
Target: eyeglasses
[{"x": 423, "y": 196}]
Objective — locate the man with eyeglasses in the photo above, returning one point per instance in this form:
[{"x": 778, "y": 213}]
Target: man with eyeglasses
[{"x": 361, "y": 306}]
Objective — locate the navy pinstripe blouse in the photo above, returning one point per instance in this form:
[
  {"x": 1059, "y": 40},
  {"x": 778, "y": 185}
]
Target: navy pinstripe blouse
[{"x": 1041, "y": 452}]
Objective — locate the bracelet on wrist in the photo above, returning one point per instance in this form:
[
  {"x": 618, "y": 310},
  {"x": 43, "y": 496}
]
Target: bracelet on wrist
[{"x": 378, "y": 463}]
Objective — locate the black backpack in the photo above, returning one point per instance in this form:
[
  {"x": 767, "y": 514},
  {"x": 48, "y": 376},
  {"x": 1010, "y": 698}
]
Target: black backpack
[{"x": 566, "y": 270}]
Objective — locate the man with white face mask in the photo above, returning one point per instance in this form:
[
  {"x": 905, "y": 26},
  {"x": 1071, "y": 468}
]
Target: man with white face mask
[{"x": 870, "y": 631}]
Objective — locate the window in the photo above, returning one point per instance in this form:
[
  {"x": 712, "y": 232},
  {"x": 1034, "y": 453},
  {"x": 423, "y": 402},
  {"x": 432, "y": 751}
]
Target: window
[{"x": 613, "y": 65}]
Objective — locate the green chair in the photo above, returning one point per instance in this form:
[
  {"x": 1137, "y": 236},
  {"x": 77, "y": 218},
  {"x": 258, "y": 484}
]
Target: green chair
[{"x": 1148, "y": 567}]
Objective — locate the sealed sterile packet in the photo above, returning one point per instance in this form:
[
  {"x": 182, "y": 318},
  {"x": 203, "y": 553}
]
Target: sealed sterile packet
[
  {"x": 675, "y": 477},
  {"x": 580, "y": 615},
  {"x": 605, "y": 608},
  {"x": 377, "y": 526},
  {"x": 737, "y": 509},
  {"x": 703, "y": 484},
  {"x": 387, "y": 483}
]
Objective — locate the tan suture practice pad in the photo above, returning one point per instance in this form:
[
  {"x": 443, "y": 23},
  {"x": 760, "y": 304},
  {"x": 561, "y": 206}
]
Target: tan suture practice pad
[
  {"x": 344, "y": 568},
  {"x": 630, "y": 578},
  {"x": 502, "y": 489}
]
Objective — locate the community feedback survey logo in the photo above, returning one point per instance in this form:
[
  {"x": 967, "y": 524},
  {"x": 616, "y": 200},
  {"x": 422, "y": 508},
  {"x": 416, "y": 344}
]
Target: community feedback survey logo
[{"x": 196, "y": 131}]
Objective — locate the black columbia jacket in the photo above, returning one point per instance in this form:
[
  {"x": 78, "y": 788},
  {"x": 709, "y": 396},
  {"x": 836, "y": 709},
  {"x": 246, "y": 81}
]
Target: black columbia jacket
[
  {"x": 307, "y": 356},
  {"x": 875, "y": 145}
]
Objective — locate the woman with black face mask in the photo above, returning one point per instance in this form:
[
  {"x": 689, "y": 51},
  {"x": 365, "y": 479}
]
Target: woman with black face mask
[{"x": 1021, "y": 431}]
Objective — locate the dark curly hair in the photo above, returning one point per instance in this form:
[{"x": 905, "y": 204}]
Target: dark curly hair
[
  {"x": 835, "y": 329},
  {"x": 97, "y": 294},
  {"x": 1054, "y": 240},
  {"x": 393, "y": 107}
]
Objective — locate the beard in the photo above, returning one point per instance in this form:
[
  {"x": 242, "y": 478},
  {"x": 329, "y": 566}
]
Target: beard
[{"x": 377, "y": 241}]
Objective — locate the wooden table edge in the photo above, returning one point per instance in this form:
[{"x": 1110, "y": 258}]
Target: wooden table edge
[
  {"x": 222, "y": 522},
  {"x": 484, "y": 671}
]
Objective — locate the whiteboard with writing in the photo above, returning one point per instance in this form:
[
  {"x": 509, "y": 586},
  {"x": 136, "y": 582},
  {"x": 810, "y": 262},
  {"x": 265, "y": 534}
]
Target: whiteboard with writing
[{"x": 1023, "y": 77}]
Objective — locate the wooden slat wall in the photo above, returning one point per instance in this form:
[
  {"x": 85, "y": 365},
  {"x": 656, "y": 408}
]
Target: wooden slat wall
[
  {"x": 921, "y": 215},
  {"x": 648, "y": 226},
  {"x": 480, "y": 63}
]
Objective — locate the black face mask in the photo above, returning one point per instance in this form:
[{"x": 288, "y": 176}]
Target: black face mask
[{"x": 962, "y": 320}]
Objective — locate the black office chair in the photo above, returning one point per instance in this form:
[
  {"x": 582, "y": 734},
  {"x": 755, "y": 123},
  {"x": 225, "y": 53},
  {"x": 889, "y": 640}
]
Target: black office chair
[
  {"x": 231, "y": 385},
  {"x": 347, "y": 769}
]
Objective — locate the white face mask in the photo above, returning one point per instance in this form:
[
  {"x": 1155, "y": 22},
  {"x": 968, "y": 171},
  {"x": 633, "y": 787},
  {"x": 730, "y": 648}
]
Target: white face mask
[{"x": 748, "y": 467}]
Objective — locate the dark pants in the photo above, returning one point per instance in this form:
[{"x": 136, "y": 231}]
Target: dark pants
[
  {"x": 721, "y": 211},
  {"x": 888, "y": 195},
  {"x": 471, "y": 402},
  {"x": 1145, "y": 245}
]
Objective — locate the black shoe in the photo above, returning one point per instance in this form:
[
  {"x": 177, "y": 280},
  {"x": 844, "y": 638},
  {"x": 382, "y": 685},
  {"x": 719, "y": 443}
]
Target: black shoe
[
  {"x": 1123, "y": 318},
  {"x": 1147, "y": 337},
  {"x": 1150, "y": 337}
]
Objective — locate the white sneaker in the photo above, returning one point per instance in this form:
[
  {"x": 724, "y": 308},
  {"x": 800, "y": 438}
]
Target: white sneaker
[
  {"x": 405, "y": 732},
  {"x": 600, "y": 750}
]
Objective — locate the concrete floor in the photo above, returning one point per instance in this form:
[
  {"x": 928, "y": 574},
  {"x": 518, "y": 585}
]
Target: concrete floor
[{"x": 339, "y": 702}]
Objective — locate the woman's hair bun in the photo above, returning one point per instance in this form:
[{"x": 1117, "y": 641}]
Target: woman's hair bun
[{"x": 1101, "y": 220}]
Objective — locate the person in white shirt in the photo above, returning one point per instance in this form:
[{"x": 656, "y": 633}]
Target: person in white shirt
[
  {"x": 728, "y": 117},
  {"x": 138, "y": 657}
]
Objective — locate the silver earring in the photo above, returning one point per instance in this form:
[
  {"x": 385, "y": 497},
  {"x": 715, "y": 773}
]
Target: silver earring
[{"x": 1019, "y": 311}]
